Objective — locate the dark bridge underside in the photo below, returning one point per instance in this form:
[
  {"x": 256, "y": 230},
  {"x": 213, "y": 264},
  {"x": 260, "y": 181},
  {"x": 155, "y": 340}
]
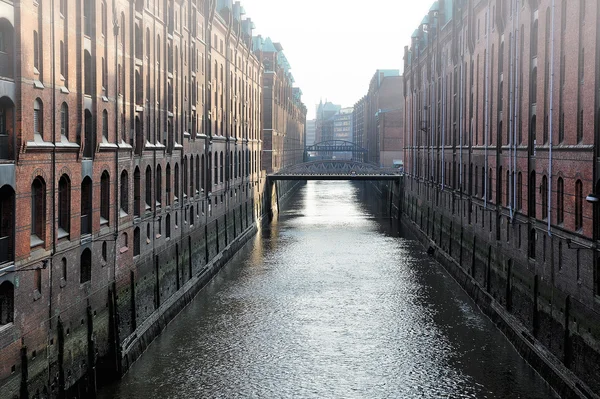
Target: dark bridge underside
[
  {"x": 335, "y": 170},
  {"x": 334, "y": 177}
]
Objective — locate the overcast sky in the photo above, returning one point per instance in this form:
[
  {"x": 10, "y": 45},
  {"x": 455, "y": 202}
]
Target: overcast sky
[{"x": 335, "y": 46}]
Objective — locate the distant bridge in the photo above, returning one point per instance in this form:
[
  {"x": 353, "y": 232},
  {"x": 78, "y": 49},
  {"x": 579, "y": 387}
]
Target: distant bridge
[
  {"x": 331, "y": 146},
  {"x": 336, "y": 170}
]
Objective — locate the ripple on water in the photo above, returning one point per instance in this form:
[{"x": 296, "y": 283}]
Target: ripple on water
[{"x": 326, "y": 304}]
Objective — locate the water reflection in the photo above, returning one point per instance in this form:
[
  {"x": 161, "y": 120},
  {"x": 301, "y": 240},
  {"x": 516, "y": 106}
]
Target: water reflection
[{"x": 328, "y": 303}]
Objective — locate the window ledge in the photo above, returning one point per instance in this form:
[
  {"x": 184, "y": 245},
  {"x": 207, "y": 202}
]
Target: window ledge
[
  {"x": 62, "y": 233},
  {"x": 103, "y": 221},
  {"x": 124, "y": 249},
  {"x": 36, "y": 295},
  {"x": 122, "y": 213},
  {"x": 35, "y": 241}
]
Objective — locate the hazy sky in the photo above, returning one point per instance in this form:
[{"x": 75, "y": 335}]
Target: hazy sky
[{"x": 335, "y": 46}]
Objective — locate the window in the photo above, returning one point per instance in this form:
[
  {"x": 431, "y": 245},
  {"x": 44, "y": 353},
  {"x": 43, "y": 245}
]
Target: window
[
  {"x": 85, "y": 266},
  {"x": 63, "y": 61},
  {"x": 104, "y": 197},
  {"x": 519, "y": 191},
  {"x": 7, "y": 224},
  {"x": 64, "y": 206},
  {"x": 168, "y": 226},
  {"x": 158, "y": 192},
  {"x": 104, "y": 251},
  {"x": 64, "y": 268},
  {"x": 38, "y": 119},
  {"x": 578, "y": 205},
  {"x": 148, "y": 188},
  {"x": 37, "y": 280},
  {"x": 544, "y": 190},
  {"x": 168, "y": 184},
  {"x": 7, "y": 302},
  {"x": 216, "y": 169},
  {"x": 124, "y": 192},
  {"x": 176, "y": 193},
  {"x": 221, "y": 167},
  {"x": 534, "y": 39},
  {"x": 532, "y": 243},
  {"x": 64, "y": 121},
  {"x": 38, "y": 211},
  {"x": 86, "y": 206},
  {"x": 136, "y": 241},
  {"x": 88, "y": 71},
  {"x": 105, "y": 125},
  {"x": 560, "y": 201},
  {"x": 531, "y": 195},
  {"x": 137, "y": 199},
  {"x": 36, "y": 52},
  {"x": 197, "y": 174}
]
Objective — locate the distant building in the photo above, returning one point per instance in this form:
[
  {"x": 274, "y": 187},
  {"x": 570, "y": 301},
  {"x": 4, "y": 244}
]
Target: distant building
[
  {"x": 358, "y": 127},
  {"x": 342, "y": 129},
  {"x": 311, "y": 129},
  {"x": 284, "y": 115},
  {"x": 379, "y": 121},
  {"x": 324, "y": 124}
]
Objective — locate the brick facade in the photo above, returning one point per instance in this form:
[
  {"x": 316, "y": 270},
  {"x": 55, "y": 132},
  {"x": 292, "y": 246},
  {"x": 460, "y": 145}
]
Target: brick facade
[
  {"x": 130, "y": 153},
  {"x": 500, "y": 154}
]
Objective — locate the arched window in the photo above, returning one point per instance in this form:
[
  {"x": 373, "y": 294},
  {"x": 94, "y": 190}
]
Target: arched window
[
  {"x": 202, "y": 177},
  {"x": 519, "y": 191},
  {"x": 137, "y": 189},
  {"x": 216, "y": 169},
  {"x": 88, "y": 145},
  {"x": 198, "y": 174},
  {"x": 104, "y": 197},
  {"x": 560, "y": 201},
  {"x": 158, "y": 191},
  {"x": 534, "y": 39},
  {"x": 64, "y": 121},
  {"x": 544, "y": 190},
  {"x": 7, "y": 302},
  {"x": 86, "y": 206},
  {"x": 38, "y": 211},
  {"x": 38, "y": 119},
  {"x": 124, "y": 192},
  {"x": 184, "y": 166},
  {"x": 85, "y": 266},
  {"x": 531, "y": 195},
  {"x": 148, "y": 188},
  {"x": 64, "y": 206},
  {"x": 192, "y": 176},
  {"x": 532, "y": 243},
  {"x": 221, "y": 168},
  {"x": 578, "y": 205},
  {"x": 168, "y": 226},
  {"x": 191, "y": 215},
  {"x": 7, "y": 224},
  {"x": 176, "y": 183},
  {"x": 64, "y": 271},
  {"x": 88, "y": 71},
  {"x": 168, "y": 184},
  {"x": 105, "y": 125},
  {"x": 136, "y": 241}
]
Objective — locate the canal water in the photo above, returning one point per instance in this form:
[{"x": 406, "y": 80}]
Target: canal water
[{"x": 329, "y": 302}]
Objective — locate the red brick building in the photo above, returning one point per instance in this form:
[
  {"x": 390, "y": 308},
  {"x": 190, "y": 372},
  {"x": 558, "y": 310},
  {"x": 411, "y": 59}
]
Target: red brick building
[
  {"x": 130, "y": 139},
  {"x": 379, "y": 121},
  {"x": 284, "y": 115},
  {"x": 501, "y": 147}
]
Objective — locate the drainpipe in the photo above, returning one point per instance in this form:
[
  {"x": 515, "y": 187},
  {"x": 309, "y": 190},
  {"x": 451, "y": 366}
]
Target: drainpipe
[
  {"x": 53, "y": 185},
  {"x": 516, "y": 106},
  {"x": 550, "y": 123},
  {"x": 510, "y": 110},
  {"x": 461, "y": 128},
  {"x": 443, "y": 165},
  {"x": 487, "y": 109}
]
